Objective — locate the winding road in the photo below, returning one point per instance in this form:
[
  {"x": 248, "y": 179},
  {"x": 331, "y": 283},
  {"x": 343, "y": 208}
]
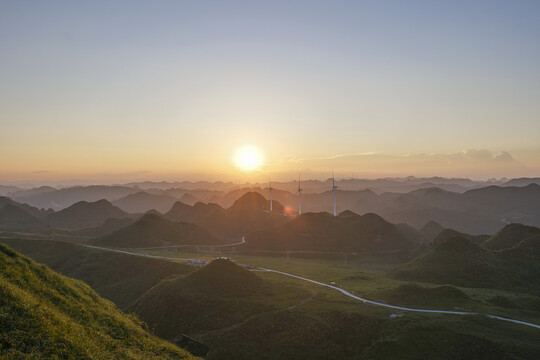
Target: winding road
[{"x": 344, "y": 292}]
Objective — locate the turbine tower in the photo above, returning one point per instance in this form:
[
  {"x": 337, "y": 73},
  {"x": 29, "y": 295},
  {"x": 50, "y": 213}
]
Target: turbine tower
[
  {"x": 334, "y": 188},
  {"x": 299, "y": 197},
  {"x": 270, "y": 189}
]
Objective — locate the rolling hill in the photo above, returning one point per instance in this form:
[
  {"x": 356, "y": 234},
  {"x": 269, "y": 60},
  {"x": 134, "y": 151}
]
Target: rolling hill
[
  {"x": 118, "y": 277},
  {"x": 510, "y": 236},
  {"x": 217, "y": 295},
  {"x": 153, "y": 230},
  {"x": 459, "y": 262},
  {"x": 14, "y": 218},
  {"x": 248, "y": 213},
  {"x": 142, "y": 202},
  {"x": 85, "y": 214},
  {"x": 44, "y": 315},
  {"x": 323, "y": 232}
]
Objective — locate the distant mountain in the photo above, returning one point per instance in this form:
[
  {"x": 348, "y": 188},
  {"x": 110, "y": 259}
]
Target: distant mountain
[
  {"x": 431, "y": 230},
  {"x": 142, "y": 202},
  {"x": 28, "y": 193},
  {"x": 13, "y": 218},
  {"x": 248, "y": 213},
  {"x": 6, "y": 190},
  {"x": 44, "y": 315},
  {"x": 189, "y": 199},
  {"x": 510, "y": 236},
  {"x": 153, "y": 230},
  {"x": 522, "y": 182},
  {"x": 85, "y": 214},
  {"x": 62, "y": 198},
  {"x": 220, "y": 294},
  {"x": 324, "y": 232},
  {"x": 40, "y": 214}
]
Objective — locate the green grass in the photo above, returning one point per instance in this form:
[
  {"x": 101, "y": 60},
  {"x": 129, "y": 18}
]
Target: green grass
[
  {"x": 44, "y": 315},
  {"x": 118, "y": 277}
]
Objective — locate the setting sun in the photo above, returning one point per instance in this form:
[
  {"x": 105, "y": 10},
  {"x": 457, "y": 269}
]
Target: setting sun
[{"x": 248, "y": 158}]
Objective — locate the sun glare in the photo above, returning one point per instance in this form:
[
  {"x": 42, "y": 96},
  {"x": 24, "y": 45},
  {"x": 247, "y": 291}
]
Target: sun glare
[{"x": 248, "y": 158}]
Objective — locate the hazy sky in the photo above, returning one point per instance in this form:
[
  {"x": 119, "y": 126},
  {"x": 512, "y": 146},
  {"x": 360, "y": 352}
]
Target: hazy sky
[{"x": 151, "y": 89}]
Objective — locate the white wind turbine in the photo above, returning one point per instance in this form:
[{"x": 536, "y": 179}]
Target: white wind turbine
[
  {"x": 270, "y": 189},
  {"x": 299, "y": 197},
  {"x": 334, "y": 188}
]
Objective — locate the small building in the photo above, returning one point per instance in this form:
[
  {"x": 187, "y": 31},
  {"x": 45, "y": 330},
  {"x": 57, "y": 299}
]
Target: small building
[{"x": 196, "y": 262}]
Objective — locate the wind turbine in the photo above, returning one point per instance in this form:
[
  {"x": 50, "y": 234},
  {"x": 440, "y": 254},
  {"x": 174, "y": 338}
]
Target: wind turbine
[
  {"x": 334, "y": 188},
  {"x": 270, "y": 189},
  {"x": 299, "y": 197}
]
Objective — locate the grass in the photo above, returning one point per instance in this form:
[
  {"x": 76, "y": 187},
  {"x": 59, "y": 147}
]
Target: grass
[
  {"x": 44, "y": 315},
  {"x": 118, "y": 277}
]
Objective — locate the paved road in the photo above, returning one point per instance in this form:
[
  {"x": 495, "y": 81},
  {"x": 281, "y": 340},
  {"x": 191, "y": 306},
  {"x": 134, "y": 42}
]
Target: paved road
[
  {"x": 205, "y": 246},
  {"x": 344, "y": 292}
]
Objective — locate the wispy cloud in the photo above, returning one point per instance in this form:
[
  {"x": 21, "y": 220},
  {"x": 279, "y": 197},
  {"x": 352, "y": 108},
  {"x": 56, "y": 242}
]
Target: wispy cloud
[{"x": 469, "y": 162}]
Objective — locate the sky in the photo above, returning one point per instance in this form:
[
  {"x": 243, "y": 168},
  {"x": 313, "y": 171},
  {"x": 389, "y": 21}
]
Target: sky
[{"x": 172, "y": 89}]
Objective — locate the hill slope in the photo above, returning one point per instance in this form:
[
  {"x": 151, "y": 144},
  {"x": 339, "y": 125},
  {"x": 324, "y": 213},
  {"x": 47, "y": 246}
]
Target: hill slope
[
  {"x": 218, "y": 295},
  {"x": 510, "y": 236},
  {"x": 459, "y": 262},
  {"x": 153, "y": 230},
  {"x": 325, "y": 232},
  {"x": 85, "y": 214},
  {"x": 118, "y": 277},
  {"x": 44, "y": 315},
  {"x": 248, "y": 213}
]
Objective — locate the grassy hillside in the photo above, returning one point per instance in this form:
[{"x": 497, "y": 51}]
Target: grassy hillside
[
  {"x": 44, "y": 315},
  {"x": 325, "y": 232},
  {"x": 153, "y": 230},
  {"x": 120, "y": 278},
  {"x": 458, "y": 261},
  {"x": 218, "y": 295},
  {"x": 510, "y": 236},
  {"x": 450, "y": 233}
]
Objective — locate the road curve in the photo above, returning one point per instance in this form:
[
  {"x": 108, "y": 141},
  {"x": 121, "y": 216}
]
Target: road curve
[{"x": 344, "y": 292}]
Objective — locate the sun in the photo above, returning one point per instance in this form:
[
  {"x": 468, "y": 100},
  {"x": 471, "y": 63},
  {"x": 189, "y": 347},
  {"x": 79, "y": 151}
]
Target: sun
[{"x": 248, "y": 158}]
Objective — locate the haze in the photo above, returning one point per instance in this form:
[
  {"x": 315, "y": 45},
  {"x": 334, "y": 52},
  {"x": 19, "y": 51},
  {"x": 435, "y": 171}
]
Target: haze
[{"x": 166, "y": 90}]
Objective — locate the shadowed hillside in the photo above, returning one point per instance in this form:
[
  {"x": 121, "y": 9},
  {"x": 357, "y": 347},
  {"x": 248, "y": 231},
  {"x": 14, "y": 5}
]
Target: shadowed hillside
[
  {"x": 325, "y": 232},
  {"x": 44, "y": 315},
  {"x": 153, "y": 230},
  {"x": 510, "y": 236},
  {"x": 459, "y": 262},
  {"x": 249, "y": 213},
  {"x": 118, "y": 277},
  {"x": 85, "y": 214},
  {"x": 217, "y": 295}
]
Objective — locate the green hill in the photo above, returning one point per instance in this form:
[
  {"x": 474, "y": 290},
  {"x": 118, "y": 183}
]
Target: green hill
[
  {"x": 44, "y": 315},
  {"x": 325, "y": 232},
  {"x": 459, "y": 262},
  {"x": 85, "y": 214},
  {"x": 450, "y": 233},
  {"x": 121, "y": 278},
  {"x": 510, "y": 236},
  {"x": 14, "y": 218},
  {"x": 153, "y": 230},
  {"x": 218, "y": 295}
]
